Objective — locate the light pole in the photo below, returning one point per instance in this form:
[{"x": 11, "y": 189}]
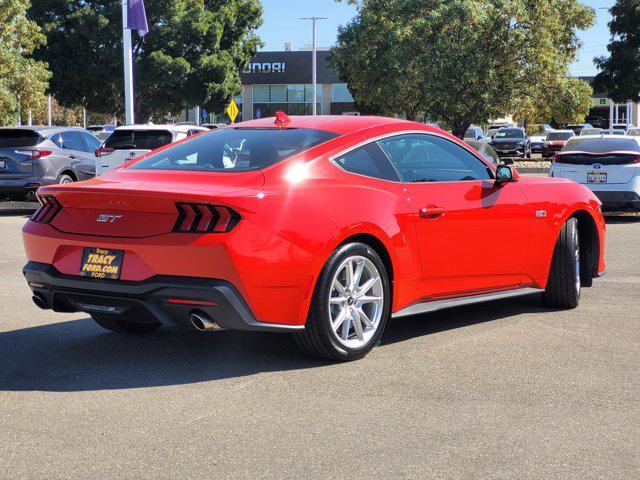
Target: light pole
[{"x": 313, "y": 60}]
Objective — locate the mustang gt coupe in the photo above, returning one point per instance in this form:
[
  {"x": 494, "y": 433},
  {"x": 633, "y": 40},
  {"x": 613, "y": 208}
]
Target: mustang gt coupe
[{"x": 326, "y": 227}]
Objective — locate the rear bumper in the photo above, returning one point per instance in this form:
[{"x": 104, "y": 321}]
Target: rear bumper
[
  {"x": 147, "y": 301},
  {"x": 618, "y": 200},
  {"x": 21, "y": 187}
]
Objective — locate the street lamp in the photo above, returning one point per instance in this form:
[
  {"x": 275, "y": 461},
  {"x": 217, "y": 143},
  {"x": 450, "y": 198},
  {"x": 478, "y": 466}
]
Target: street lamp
[{"x": 313, "y": 60}]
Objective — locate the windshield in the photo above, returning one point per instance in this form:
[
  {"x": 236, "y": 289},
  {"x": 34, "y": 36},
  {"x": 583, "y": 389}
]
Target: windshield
[
  {"x": 602, "y": 145},
  {"x": 591, "y": 131},
  {"x": 235, "y": 149},
  {"x": 559, "y": 135},
  {"x": 510, "y": 133},
  {"x": 138, "y": 139},
  {"x": 17, "y": 137}
]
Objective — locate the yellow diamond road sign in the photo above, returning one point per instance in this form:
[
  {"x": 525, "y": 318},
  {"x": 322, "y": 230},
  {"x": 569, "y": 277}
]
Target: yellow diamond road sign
[{"x": 232, "y": 111}]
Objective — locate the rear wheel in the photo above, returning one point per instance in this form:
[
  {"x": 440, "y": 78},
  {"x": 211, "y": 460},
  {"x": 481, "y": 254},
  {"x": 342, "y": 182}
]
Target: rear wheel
[
  {"x": 563, "y": 285},
  {"x": 350, "y": 306},
  {"x": 122, "y": 325},
  {"x": 64, "y": 178}
]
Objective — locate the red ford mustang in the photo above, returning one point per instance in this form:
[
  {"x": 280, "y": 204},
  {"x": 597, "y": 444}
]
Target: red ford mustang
[{"x": 322, "y": 226}]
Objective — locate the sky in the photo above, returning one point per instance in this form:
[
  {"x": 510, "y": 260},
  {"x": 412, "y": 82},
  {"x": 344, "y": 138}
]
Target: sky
[{"x": 282, "y": 24}]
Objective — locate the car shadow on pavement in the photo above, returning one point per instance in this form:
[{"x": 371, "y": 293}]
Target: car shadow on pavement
[
  {"x": 79, "y": 356},
  {"x": 405, "y": 328}
]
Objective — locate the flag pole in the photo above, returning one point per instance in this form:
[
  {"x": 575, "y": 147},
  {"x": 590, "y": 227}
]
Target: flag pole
[{"x": 128, "y": 68}]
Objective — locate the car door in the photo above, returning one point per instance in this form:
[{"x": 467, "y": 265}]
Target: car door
[{"x": 473, "y": 235}]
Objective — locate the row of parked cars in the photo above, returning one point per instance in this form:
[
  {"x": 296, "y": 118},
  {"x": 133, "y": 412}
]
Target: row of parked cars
[{"x": 33, "y": 156}]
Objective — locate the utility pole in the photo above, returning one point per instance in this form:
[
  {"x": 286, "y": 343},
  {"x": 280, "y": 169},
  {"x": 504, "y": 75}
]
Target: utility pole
[
  {"x": 314, "y": 60},
  {"x": 128, "y": 68},
  {"x": 50, "y": 116}
]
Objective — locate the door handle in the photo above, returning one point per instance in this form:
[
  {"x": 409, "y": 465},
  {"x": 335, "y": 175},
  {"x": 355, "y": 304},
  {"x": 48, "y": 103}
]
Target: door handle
[{"x": 431, "y": 212}]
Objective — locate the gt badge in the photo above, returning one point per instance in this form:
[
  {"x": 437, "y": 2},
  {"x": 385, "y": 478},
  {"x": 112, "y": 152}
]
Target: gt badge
[{"x": 107, "y": 218}]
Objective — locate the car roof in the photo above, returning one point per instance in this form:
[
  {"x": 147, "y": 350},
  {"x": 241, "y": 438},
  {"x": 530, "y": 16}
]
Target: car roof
[
  {"x": 340, "y": 124},
  {"x": 170, "y": 127},
  {"x": 44, "y": 130},
  {"x": 562, "y": 131},
  {"x": 607, "y": 137}
]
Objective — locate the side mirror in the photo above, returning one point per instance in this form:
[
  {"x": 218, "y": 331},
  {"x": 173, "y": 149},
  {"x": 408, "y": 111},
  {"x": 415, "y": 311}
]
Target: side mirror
[{"x": 506, "y": 174}]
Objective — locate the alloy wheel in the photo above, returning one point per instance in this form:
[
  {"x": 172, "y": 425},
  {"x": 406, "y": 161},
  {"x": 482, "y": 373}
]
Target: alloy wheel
[{"x": 356, "y": 301}]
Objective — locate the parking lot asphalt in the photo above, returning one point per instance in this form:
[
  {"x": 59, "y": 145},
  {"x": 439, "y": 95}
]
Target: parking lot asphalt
[{"x": 505, "y": 390}]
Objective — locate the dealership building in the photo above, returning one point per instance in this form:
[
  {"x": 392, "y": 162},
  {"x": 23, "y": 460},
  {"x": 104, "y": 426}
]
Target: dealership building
[{"x": 282, "y": 81}]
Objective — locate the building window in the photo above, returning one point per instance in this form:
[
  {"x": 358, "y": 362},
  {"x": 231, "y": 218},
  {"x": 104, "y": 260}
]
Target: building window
[
  {"x": 290, "y": 99},
  {"x": 340, "y": 93}
]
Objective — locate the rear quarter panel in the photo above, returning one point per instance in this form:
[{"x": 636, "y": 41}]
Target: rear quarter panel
[{"x": 553, "y": 201}]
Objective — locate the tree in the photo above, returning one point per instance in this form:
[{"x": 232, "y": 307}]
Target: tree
[
  {"x": 620, "y": 71},
  {"x": 192, "y": 55},
  {"x": 464, "y": 61},
  {"x": 23, "y": 81}
]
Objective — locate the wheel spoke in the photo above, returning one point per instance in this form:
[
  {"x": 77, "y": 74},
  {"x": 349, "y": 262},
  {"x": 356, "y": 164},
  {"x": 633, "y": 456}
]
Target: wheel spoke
[
  {"x": 337, "y": 300},
  {"x": 358, "y": 274},
  {"x": 346, "y": 326},
  {"x": 364, "y": 318},
  {"x": 349, "y": 275},
  {"x": 369, "y": 299},
  {"x": 367, "y": 286},
  {"x": 339, "y": 320},
  {"x": 340, "y": 288},
  {"x": 357, "y": 325}
]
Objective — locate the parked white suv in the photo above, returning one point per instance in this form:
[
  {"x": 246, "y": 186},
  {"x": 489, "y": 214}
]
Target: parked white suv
[
  {"x": 607, "y": 164},
  {"x": 131, "y": 141}
]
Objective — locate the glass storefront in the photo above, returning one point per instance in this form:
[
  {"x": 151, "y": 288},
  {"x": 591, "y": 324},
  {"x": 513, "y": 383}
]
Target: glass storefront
[
  {"x": 340, "y": 93},
  {"x": 290, "y": 99}
]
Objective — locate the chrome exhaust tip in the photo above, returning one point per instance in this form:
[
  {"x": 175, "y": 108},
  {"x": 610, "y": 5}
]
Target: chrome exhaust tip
[
  {"x": 40, "y": 301},
  {"x": 202, "y": 322}
]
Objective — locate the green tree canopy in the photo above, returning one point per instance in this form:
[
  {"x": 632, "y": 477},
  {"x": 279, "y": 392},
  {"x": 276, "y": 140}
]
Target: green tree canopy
[
  {"x": 23, "y": 81},
  {"x": 620, "y": 71},
  {"x": 192, "y": 55},
  {"x": 465, "y": 61}
]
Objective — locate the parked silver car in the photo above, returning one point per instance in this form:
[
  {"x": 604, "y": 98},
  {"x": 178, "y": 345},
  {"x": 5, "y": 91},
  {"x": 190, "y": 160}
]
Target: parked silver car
[{"x": 34, "y": 156}]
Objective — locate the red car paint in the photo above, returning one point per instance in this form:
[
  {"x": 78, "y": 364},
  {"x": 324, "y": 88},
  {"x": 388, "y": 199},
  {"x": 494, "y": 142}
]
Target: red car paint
[
  {"x": 552, "y": 146},
  {"x": 296, "y": 212}
]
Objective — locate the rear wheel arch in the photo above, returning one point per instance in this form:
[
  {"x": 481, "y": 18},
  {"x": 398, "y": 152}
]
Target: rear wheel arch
[
  {"x": 589, "y": 240},
  {"x": 70, "y": 173}
]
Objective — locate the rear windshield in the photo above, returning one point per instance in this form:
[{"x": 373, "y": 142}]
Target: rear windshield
[
  {"x": 10, "y": 138},
  {"x": 601, "y": 145},
  {"x": 235, "y": 149},
  {"x": 138, "y": 139},
  {"x": 510, "y": 133},
  {"x": 559, "y": 135},
  {"x": 590, "y": 159}
]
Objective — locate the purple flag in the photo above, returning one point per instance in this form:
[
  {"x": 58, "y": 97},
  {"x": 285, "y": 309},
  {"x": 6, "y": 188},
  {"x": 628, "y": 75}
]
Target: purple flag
[{"x": 137, "y": 17}]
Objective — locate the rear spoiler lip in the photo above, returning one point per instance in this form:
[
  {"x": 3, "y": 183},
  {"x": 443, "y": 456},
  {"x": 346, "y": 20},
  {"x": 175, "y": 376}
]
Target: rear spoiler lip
[{"x": 592, "y": 154}]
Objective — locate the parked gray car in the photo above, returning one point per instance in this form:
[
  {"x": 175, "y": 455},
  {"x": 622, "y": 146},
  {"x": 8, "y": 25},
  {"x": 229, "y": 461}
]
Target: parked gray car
[{"x": 34, "y": 156}]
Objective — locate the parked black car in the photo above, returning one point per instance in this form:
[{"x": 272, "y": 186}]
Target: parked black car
[
  {"x": 512, "y": 142},
  {"x": 34, "y": 156}
]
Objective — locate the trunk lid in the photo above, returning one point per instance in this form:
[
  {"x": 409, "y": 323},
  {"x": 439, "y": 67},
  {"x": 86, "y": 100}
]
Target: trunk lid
[
  {"x": 139, "y": 203},
  {"x": 15, "y": 162}
]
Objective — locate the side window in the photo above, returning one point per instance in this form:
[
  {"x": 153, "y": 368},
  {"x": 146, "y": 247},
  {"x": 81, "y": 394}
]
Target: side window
[
  {"x": 57, "y": 139},
  {"x": 72, "y": 141},
  {"x": 91, "y": 142},
  {"x": 429, "y": 158},
  {"x": 368, "y": 160}
]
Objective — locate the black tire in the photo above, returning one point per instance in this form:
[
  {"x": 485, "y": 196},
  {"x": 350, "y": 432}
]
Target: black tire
[
  {"x": 563, "y": 285},
  {"x": 121, "y": 325},
  {"x": 318, "y": 338},
  {"x": 64, "y": 178}
]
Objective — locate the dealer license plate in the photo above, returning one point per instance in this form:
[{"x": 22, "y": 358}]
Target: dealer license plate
[
  {"x": 101, "y": 263},
  {"x": 596, "y": 178}
]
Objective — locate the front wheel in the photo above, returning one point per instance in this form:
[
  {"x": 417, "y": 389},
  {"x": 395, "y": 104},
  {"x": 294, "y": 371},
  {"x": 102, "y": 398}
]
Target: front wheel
[
  {"x": 563, "y": 285},
  {"x": 350, "y": 307}
]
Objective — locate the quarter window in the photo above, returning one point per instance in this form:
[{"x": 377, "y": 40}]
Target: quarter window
[
  {"x": 368, "y": 160},
  {"x": 72, "y": 141},
  {"x": 429, "y": 158}
]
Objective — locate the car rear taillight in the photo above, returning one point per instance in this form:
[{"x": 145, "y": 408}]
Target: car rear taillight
[
  {"x": 49, "y": 208},
  {"x": 554, "y": 158},
  {"x": 203, "y": 218},
  {"x": 35, "y": 154},
  {"x": 101, "y": 152}
]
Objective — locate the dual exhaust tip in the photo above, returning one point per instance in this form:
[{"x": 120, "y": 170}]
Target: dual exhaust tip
[
  {"x": 40, "y": 301},
  {"x": 203, "y": 322}
]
